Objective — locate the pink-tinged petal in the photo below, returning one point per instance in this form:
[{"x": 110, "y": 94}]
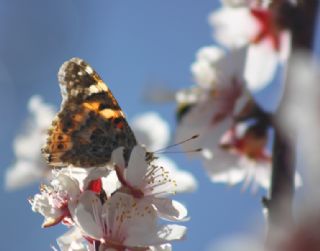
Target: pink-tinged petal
[
  {"x": 128, "y": 218},
  {"x": 66, "y": 185},
  {"x": 87, "y": 215},
  {"x": 201, "y": 120},
  {"x": 230, "y": 70},
  {"x": 170, "y": 209},
  {"x": 233, "y": 27},
  {"x": 114, "y": 212},
  {"x": 137, "y": 167},
  {"x": 260, "y": 66},
  {"x": 42, "y": 203}
]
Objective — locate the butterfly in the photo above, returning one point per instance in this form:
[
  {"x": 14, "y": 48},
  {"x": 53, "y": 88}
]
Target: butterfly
[{"x": 90, "y": 123}]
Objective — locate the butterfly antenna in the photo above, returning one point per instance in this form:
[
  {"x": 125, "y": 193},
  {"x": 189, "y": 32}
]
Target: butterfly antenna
[
  {"x": 187, "y": 151},
  {"x": 176, "y": 144}
]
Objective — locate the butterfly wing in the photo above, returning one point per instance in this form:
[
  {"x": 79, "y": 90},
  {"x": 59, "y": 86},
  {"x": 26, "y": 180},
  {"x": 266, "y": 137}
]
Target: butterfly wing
[{"x": 90, "y": 124}]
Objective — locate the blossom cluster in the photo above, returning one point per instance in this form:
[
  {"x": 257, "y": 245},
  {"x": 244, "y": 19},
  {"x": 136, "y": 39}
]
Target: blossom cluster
[
  {"x": 114, "y": 207},
  {"x": 233, "y": 129}
]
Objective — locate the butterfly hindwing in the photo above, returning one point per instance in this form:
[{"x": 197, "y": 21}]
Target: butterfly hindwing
[{"x": 90, "y": 124}]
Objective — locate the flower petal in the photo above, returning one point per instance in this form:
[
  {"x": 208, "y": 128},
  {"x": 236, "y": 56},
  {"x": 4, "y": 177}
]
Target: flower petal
[
  {"x": 72, "y": 240},
  {"x": 164, "y": 247},
  {"x": 260, "y": 65},
  {"x": 117, "y": 157},
  {"x": 158, "y": 236},
  {"x": 137, "y": 167},
  {"x": 87, "y": 215},
  {"x": 233, "y": 27},
  {"x": 170, "y": 209}
]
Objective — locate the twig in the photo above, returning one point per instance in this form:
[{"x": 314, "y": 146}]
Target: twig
[{"x": 300, "y": 19}]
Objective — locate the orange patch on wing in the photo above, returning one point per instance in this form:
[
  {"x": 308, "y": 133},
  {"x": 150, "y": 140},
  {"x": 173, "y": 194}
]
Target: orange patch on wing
[
  {"x": 78, "y": 117},
  {"x": 92, "y": 106},
  {"x": 105, "y": 113},
  {"x": 109, "y": 113}
]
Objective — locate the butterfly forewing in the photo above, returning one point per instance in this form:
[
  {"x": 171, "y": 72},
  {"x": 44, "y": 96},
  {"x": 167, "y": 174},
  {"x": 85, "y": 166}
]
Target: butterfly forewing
[{"x": 90, "y": 124}]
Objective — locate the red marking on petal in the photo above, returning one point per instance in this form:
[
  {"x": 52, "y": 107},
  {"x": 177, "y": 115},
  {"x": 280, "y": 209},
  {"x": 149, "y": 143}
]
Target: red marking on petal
[
  {"x": 268, "y": 28},
  {"x": 248, "y": 145},
  {"x": 95, "y": 186},
  {"x": 89, "y": 239},
  {"x": 137, "y": 193}
]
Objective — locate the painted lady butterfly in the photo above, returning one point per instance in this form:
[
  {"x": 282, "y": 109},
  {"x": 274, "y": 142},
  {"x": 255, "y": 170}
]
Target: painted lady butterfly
[{"x": 90, "y": 123}]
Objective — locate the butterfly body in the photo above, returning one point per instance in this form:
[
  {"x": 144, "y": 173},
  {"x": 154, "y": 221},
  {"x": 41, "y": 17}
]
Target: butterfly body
[{"x": 90, "y": 124}]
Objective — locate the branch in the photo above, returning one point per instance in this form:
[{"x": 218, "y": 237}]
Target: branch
[{"x": 300, "y": 20}]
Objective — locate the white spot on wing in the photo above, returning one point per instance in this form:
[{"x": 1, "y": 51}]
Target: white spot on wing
[
  {"x": 93, "y": 89},
  {"x": 89, "y": 69}
]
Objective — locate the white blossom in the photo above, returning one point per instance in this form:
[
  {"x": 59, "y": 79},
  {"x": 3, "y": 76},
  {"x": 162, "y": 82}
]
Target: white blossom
[
  {"x": 56, "y": 200},
  {"x": 203, "y": 69},
  {"x": 73, "y": 241},
  {"x": 122, "y": 222},
  {"x": 213, "y": 110},
  {"x": 242, "y": 156},
  {"x": 149, "y": 182},
  {"x": 268, "y": 45}
]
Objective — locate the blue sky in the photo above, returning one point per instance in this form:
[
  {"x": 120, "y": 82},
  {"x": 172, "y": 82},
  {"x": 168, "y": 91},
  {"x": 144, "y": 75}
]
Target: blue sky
[{"x": 133, "y": 45}]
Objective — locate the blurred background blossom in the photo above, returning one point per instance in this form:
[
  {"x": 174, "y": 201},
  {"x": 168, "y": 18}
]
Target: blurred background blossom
[{"x": 29, "y": 166}]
